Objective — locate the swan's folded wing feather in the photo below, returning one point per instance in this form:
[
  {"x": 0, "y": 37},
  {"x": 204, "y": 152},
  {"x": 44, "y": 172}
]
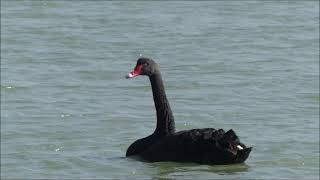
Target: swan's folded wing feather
[{"x": 196, "y": 145}]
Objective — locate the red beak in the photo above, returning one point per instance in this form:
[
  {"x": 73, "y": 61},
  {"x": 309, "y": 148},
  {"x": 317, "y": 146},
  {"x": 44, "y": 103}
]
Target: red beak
[{"x": 136, "y": 72}]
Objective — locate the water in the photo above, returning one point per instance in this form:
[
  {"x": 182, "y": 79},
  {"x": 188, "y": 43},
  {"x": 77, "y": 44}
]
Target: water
[{"x": 68, "y": 112}]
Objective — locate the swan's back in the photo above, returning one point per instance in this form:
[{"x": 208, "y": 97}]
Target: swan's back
[{"x": 208, "y": 146}]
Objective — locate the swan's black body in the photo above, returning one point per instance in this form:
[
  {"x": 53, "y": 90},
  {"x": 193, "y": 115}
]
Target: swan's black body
[{"x": 205, "y": 146}]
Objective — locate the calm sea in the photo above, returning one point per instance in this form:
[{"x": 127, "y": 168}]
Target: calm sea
[{"x": 68, "y": 112}]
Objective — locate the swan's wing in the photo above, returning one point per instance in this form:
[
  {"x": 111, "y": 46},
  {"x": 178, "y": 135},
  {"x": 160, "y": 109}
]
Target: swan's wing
[{"x": 197, "y": 145}]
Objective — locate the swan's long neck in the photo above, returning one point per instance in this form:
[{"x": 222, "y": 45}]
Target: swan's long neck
[{"x": 165, "y": 120}]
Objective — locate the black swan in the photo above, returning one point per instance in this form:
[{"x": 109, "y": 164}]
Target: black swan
[{"x": 204, "y": 146}]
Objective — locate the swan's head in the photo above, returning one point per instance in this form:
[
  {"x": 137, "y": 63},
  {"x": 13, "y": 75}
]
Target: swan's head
[{"x": 145, "y": 66}]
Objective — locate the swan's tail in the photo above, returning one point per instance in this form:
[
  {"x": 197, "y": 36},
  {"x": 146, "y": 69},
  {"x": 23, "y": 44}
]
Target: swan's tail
[
  {"x": 230, "y": 141},
  {"x": 242, "y": 155}
]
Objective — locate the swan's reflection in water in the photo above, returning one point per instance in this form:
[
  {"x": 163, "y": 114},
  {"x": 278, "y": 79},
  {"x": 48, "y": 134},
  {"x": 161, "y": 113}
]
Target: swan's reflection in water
[
  {"x": 136, "y": 168},
  {"x": 173, "y": 170}
]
